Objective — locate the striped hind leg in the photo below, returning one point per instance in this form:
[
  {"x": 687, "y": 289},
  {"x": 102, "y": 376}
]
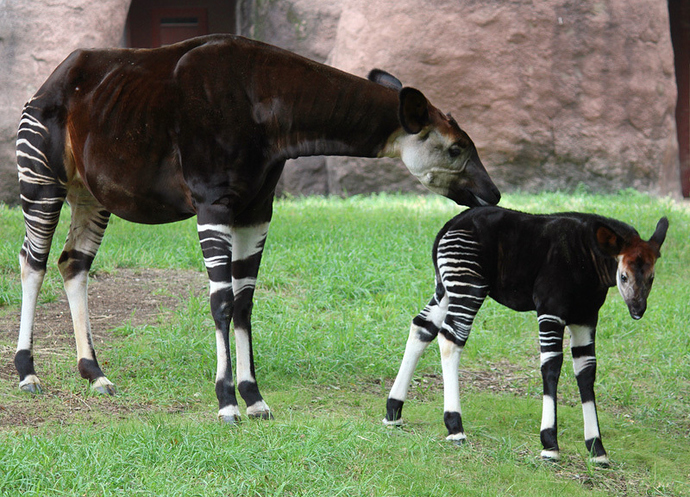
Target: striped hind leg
[
  {"x": 423, "y": 330},
  {"x": 462, "y": 277},
  {"x": 42, "y": 192},
  {"x": 465, "y": 297},
  {"x": 551, "y": 330},
  {"x": 585, "y": 366},
  {"x": 88, "y": 223}
]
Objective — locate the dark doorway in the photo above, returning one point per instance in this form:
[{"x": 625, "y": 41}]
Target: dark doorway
[
  {"x": 679, "y": 16},
  {"x": 153, "y": 23}
]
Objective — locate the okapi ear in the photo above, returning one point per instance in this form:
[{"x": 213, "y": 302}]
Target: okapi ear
[
  {"x": 385, "y": 79},
  {"x": 609, "y": 242},
  {"x": 414, "y": 110},
  {"x": 659, "y": 233}
]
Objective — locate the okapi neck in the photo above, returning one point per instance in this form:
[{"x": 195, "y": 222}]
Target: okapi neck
[{"x": 355, "y": 120}]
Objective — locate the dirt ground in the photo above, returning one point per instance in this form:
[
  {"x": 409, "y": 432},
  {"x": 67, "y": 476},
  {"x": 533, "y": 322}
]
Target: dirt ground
[{"x": 137, "y": 296}]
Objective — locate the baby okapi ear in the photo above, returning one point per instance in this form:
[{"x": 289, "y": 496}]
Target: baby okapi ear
[
  {"x": 414, "y": 110},
  {"x": 659, "y": 235},
  {"x": 609, "y": 241},
  {"x": 385, "y": 79}
]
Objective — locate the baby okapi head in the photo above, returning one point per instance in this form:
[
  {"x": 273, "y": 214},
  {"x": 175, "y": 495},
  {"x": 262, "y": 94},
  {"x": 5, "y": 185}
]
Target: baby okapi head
[{"x": 636, "y": 259}]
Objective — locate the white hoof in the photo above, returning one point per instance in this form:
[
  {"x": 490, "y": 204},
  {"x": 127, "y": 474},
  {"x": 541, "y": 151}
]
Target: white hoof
[
  {"x": 103, "y": 385},
  {"x": 457, "y": 438},
  {"x": 550, "y": 455},
  {"x": 259, "y": 410},
  {"x": 600, "y": 460},
  {"x": 229, "y": 414},
  {"x": 395, "y": 422},
  {"x": 31, "y": 384}
]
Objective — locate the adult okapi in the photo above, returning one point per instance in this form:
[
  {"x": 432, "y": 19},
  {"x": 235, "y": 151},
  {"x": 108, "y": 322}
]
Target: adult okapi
[{"x": 203, "y": 128}]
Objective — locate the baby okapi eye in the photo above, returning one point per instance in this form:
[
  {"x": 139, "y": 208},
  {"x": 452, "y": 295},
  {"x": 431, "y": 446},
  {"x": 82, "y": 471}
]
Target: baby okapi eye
[{"x": 624, "y": 278}]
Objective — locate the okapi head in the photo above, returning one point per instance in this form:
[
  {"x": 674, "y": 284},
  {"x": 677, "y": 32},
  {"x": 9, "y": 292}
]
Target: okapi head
[
  {"x": 436, "y": 150},
  {"x": 636, "y": 260}
]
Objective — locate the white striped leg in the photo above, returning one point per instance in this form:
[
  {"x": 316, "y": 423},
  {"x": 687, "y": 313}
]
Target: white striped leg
[
  {"x": 216, "y": 246},
  {"x": 585, "y": 366},
  {"x": 88, "y": 223},
  {"x": 551, "y": 330},
  {"x": 42, "y": 194},
  {"x": 248, "y": 245},
  {"x": 32, "y": 279},
  {"x": 423, "y": 330},
  {"x": 458, "y": 262},
  {"x": 450, "y": 362}
]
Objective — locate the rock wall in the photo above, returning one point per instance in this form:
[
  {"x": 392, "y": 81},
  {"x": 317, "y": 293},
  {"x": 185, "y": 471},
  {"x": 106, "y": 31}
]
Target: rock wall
[
  {"x": 554, "y": 93},
  {"x": 35, "y": 36}
]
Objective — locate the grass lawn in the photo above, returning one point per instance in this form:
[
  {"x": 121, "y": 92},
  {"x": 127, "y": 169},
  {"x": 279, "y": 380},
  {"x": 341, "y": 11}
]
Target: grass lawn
[{"x": 339, "y": 283}]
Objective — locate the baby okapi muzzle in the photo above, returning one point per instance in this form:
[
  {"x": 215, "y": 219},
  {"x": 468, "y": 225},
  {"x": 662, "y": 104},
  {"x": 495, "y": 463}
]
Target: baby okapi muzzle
[{"x": 559, "y": 265}]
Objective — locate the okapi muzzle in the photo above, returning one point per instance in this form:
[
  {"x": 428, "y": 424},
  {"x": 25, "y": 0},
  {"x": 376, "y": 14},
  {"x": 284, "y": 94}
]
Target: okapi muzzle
[
  {"x": 636, "y": 261},
  {"x": 436, "y": 150}
]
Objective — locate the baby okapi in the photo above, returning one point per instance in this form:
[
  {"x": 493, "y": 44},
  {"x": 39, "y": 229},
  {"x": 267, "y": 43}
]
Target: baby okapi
[{"x": 560, "y": 265}]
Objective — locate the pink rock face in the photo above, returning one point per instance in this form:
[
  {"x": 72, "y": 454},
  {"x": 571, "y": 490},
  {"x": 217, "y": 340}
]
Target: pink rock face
[
  {"x": 552, "y": 95},
  {"x": 34, "y": 38}
]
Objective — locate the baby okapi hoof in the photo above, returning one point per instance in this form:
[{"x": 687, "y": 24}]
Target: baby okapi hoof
[
  {"x": 550, "y": 455},
  {"x": 259, "y": 410},
  {"x": 229, "y": 414},
  {"x": 393, "y": 423}
]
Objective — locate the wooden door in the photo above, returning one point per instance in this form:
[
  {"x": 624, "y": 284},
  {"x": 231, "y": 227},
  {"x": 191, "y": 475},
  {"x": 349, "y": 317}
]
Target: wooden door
[{"x": 171, "y": 25}]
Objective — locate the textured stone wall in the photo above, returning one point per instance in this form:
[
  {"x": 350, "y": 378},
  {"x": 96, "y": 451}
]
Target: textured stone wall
[
  {"x": 35, "y": 36},
  {"x": 554, "y": 93}
]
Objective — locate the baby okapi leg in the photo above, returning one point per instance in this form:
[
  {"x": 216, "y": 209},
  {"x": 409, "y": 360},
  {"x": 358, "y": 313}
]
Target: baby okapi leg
[
  {"x": 585, "y": 366},
  {"x": 89, "y": 221},
  {"x": 450, "y": 362},
  {"x": 462, "y": 276},
  {"x": 551, "y": 345},
  {"x": 423, "y": 330},
  {"x": 248, "y": 245}
]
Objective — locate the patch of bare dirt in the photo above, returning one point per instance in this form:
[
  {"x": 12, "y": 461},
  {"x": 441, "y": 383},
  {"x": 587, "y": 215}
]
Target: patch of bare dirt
[{"x": 137, "y": 296}]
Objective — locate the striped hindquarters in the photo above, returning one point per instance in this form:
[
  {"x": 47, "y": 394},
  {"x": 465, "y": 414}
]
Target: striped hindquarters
[
  {"x": 460, "y": 272},
  {"x": 42, "y": 186}
]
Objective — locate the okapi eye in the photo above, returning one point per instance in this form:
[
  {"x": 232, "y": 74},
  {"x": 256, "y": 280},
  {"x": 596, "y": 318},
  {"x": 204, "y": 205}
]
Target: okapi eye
[
  {"x": 624, "y": 278},
  {"x": 454, "y": 151}
]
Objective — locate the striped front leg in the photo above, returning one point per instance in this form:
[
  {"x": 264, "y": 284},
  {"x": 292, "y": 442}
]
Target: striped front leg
[
  {"x": 216, "y": 246},
  {"x": 248, "y": 246},
  {"x": 585, "y": 366},
  {"x": 551, "y": 330}
]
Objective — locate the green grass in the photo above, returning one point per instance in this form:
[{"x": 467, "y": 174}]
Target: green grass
[{"x": 339, "y": 283}]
